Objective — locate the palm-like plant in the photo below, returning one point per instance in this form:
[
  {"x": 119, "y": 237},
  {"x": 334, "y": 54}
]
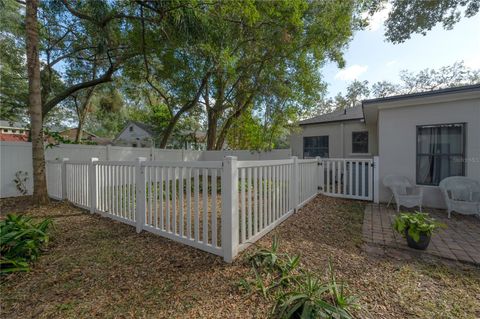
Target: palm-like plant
[
  {"x": 311, "y": 298},
  {"x": 21, "y": 241}
]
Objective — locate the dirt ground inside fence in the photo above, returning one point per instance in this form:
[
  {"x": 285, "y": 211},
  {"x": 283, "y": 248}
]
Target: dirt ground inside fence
[{"x": 96, "y": 267}]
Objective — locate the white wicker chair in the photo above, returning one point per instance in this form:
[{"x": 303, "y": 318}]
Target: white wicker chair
[
  {"x": 403, "y": 192},
  {"x": 462, "y": 194}
]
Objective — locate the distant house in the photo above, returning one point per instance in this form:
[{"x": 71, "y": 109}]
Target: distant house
[
  {"x": 425, "y": 137},
  {"x": 136, "y": 134},
  {"x": 13, "y": 132},
  {"x": 340, "y": 134},
  {"x": 87, "y": 137}
]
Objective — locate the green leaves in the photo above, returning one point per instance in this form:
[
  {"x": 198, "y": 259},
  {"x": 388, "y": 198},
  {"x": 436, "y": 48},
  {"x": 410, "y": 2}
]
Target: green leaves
[
  {"x": 21, "y": 242},
  {"x": 297, "y": 293},
  {"x": 420, "y": 16},
  {"x": 416, "y": 224}
]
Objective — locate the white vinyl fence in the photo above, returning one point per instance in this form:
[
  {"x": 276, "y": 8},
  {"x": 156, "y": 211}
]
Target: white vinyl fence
[
  {"x": 347, "y": 178},
  {"x": 17, "y": 156},
  {"x": 220, "y": 207}
]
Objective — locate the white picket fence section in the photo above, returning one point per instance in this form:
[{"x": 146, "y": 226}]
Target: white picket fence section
[
  {"x": 77, "y": 183},
  {"x": 115, "y": 192},
  {"x": 308, "y": 180},
  {"x": 182, "y": 202},
  {"x": 220, "y": 207},
  {"x": 54, "y": 183},
  {"x": 265, "y": 197},
  {"x": 347, "y": 178}
]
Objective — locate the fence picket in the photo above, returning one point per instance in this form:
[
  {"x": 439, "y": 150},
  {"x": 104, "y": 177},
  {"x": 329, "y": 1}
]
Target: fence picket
[
  {"x": 197, "y": 207},
  {"x": 205, "y": 205},
  {"x": 189, "y": 202},
  {"x": 243, "y": 223}
]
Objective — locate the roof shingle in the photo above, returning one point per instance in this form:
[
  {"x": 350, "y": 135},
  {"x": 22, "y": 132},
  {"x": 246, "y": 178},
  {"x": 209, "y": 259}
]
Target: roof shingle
[{"x": 348, "y": 114}]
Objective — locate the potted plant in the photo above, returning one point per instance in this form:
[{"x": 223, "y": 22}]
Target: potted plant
[{"x": 417, "y": 228}]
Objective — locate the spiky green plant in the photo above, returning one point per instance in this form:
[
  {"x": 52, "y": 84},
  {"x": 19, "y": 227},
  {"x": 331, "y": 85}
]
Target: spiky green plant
[{"x": 21, "y": 242}]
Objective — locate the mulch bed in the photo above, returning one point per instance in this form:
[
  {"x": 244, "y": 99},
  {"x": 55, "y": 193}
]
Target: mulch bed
[{"x": 96, "y": 267}]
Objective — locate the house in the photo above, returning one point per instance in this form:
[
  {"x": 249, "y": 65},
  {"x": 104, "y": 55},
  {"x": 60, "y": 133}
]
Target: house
[
  {"x": 424, "y": 136},
  {"x": 69, "y": 135},
  {"x": 13, "y": 131},
  {"x": 87, "y": 137},
  {"x": 136, "y": 134}
]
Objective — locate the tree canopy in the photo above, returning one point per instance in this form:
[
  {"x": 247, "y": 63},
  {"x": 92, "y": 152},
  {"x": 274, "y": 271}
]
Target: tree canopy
[{"x": 453, "y": 75}]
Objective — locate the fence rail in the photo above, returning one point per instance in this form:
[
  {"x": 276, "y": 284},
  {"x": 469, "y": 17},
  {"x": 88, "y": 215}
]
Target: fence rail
[{"x": 220, "y": 207}]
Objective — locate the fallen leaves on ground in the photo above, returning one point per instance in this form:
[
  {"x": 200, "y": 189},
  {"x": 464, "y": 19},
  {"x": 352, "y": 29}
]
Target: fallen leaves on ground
[{"x": 96, "y": 267}]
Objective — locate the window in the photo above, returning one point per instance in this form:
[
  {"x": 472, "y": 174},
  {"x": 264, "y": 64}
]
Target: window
[
  {"x": 440, "y": 152},
  {"x": 314, "y": 146},
  {"x": 131, "y": 128},
  {"x": 360, "y": 142}
]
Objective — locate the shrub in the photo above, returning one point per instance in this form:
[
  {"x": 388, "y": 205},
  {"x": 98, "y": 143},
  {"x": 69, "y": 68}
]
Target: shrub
[{"x": 21, "y": 242}]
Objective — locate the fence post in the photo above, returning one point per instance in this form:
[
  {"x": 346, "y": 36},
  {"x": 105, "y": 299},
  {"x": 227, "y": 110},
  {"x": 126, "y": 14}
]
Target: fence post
[
  {"x": 108, "y": 150},
  {"x": 376, "y": 180},
  {"x": 230, "y": 227},
  {"x": 320, "y": 175},
  {"x": 92, "y": 187},
  {"x": 63, "y": 174},
  {"x": 295, "y": 183},
  {"x": 152, "y": 152},
  {"x": 139, "y": 193}
]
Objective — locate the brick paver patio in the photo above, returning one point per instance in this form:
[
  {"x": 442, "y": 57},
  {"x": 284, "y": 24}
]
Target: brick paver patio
[{"x": 459, "y": 241}]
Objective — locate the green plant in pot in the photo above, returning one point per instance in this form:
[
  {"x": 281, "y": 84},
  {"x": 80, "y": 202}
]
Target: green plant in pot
[{"x": 417, "y": 228}]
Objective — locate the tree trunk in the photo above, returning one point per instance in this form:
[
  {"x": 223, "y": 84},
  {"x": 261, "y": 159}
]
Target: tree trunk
[
  {"x": 169, "y": 130},
  {"x": 212, "y": 120},
  {"x": 82, "y": 113},
  {"x": 228, "y": 123},
  {"x": 171, "y": 125},
  {"x": 40, "y": 195},
  {"x": 79, "y": 135}
]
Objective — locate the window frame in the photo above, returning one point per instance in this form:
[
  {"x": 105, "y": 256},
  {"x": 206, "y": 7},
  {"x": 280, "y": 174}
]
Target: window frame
[
  {"x": 368, "y": 142},
  {"x": 417, "y": 155},
  {"x": 317, "y": 136}
]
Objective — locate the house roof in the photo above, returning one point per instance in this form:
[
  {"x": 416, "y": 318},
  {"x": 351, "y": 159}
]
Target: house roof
[
  {"x": 458, "y": 89},
  {"x": 368, "y": 107},
  {"x": 147, "y": 128},
  {"x": 5, "y": 123},
  {"x": 348, "y": 114},
  {"x": 371, "y": 107},
  {"x": 74, "y": 130}
]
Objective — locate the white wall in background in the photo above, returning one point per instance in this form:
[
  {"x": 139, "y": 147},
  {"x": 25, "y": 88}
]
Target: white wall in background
[{"x": 17, "y": 156}]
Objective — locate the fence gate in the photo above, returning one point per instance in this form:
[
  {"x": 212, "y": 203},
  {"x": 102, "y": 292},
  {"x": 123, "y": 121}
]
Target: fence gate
[{"x": 346, "y": 178}]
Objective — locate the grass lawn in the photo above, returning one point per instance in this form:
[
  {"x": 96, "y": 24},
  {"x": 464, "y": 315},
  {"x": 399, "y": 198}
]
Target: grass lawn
[{"x": 97, "y": 267}]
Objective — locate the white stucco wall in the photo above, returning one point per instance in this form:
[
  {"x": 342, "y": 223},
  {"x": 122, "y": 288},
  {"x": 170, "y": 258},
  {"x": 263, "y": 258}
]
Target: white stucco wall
[
  {"x": 397, "y": 140},
  {"x": 340, "y": 138}
]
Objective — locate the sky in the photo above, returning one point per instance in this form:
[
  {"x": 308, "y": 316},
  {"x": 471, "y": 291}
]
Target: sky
[{"x": 370, "y": 57}]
